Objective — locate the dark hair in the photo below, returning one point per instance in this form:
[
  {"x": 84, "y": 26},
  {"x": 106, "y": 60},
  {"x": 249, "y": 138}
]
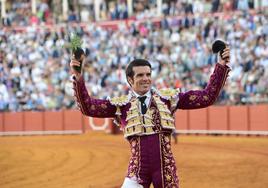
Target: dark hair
[{"x": 136, "y": 63}]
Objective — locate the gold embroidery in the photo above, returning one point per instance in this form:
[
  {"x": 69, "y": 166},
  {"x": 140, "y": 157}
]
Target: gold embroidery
[
  {"x": 149, "y": 130},
  {"x": 168, "y": 93},
  {"x": 118, "y": 112},
  {"x": 131, "y": 117},
  {"x": 134, "y": 164},
  {"x": 133, "y": 111},
  {"x": 169, "y": 168},
  {"x": 104, "y": 106},
  {"x": 120, "y": 100},
  {"x": 193, "y": 97},
  {"x": 148, "y": 121},
  {"x": 205, "y": 97},
  {"x": 135, "y": 124},
  {"x": 168, "y": 177},
  {"x": 93, "y": 107},
  {"x": 167, "y": 160},
  {"x": 116, "y": 122},
  {"x": 166, "y": 118},
  {"x": 166, "y": 139}
]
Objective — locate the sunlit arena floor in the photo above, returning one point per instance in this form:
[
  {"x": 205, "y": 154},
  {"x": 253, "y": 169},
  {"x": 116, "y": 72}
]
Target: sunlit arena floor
[{"x": 99, "y": 160}]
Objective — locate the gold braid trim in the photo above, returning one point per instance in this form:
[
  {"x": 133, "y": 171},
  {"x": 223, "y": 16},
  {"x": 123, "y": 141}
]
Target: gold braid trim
[
  {"x": 167, "y": 119},
  {"x": 170, "y": 94},
  {"x": 120, "y": 101}
]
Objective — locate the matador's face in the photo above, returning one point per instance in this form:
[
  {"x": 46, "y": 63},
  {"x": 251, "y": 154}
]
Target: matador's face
[{"x": 142, "y": 81}]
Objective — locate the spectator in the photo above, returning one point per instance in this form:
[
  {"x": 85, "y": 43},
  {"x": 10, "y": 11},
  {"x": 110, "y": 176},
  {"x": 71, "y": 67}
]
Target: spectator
[{"x": 34, "y": 62}]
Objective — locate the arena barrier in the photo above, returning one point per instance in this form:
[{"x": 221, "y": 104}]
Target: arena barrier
[
  {"x": 238, "y": 120},
  {"x": 241, "y": 120}
]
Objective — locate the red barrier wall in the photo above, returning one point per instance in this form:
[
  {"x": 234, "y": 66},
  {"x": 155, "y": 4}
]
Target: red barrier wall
[
  {"x": 237, "y": 119},
  {"x": 1, "y": 122},
  {"x": 33, "y": 121},
  {"x": 73, "y": 120},
  {"x": 258, "y": 117},
  {"x": 198, "y": 119},
  {"x": 182, "y": 119},
  {"x": 13, "y": 121},
  {"x": 218, "y": 118},
  {"x": 53, "y": 121}
]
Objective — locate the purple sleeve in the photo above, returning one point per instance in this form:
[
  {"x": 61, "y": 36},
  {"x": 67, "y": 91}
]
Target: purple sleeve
[
  {"x": 89, "y": 106},
  {"x": 204, "y": 98}
]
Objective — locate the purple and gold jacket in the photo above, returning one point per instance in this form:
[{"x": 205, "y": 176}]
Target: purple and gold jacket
[
  {"x": 163, "y": 104},
  {"x": 151, "y": 156}
]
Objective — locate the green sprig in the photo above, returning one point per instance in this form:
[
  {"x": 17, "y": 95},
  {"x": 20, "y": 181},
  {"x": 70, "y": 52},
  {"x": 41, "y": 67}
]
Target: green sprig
[{"x": 76, "y": 42}]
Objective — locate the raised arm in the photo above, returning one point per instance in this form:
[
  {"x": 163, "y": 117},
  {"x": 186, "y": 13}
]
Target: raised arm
[
  {"x": 204, "y": 98},
  {"x": 88, "y": 105}
]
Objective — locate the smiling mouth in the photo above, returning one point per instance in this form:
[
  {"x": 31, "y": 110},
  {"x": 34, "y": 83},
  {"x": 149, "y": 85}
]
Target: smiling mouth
[{"x": 145, "y": 85}]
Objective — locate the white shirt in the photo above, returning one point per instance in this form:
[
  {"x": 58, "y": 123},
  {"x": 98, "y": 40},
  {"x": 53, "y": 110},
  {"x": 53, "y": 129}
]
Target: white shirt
[{"x": 147, "y": 100}]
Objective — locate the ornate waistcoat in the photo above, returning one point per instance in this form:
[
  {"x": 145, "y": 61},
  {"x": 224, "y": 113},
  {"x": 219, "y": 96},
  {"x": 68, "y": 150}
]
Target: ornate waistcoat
[{"x": 158, "y": 117}]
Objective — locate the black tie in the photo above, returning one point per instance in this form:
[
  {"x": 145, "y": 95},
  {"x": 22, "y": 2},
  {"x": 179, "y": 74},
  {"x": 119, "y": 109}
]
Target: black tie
[{"x": 143, "y": 105}]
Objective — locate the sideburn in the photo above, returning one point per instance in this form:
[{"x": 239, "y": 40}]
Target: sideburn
[{"x": 129, "y": 80}]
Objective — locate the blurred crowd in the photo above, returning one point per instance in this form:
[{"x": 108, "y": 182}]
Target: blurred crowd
[
  {"x": 35, "y": 72},
  {"x": 51, "y": 12}
]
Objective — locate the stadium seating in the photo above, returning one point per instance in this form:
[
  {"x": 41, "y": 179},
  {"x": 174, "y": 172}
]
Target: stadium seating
[{"x": 34, "y": 60}]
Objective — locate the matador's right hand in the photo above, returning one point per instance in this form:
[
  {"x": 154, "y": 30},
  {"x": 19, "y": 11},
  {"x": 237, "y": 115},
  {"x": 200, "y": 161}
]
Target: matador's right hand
[{"x": 73, "y": 64}]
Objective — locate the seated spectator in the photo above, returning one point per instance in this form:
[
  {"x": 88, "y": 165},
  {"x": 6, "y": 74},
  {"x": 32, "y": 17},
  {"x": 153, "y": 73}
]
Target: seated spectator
[{"x": 34, "y": 62}]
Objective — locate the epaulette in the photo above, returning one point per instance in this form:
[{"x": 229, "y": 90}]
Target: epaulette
[
  {"x": 168, "y": 93},
  {"x": 120, "y": 101}
]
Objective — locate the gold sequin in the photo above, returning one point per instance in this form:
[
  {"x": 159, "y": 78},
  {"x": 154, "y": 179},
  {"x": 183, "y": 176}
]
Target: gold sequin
[
  {"x": 93, "y": 107},
  {"x": 104, "y": 106},
  {"x": 192, "y": 97},
  {"x": 120, "y": 100},
  {"x": 168, "y": 92},
  {"x": 205, "y": 98},
  {"x": 135, "y": 123},
  {"x": 168, "y": 177},
  {"x": 166, "y": 139},
  {"x": 166, "y": 160}
]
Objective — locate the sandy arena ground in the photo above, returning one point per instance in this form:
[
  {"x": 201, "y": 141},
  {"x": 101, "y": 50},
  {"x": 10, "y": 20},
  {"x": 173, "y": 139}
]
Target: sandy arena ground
[{"x": 98, "y": 160}]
